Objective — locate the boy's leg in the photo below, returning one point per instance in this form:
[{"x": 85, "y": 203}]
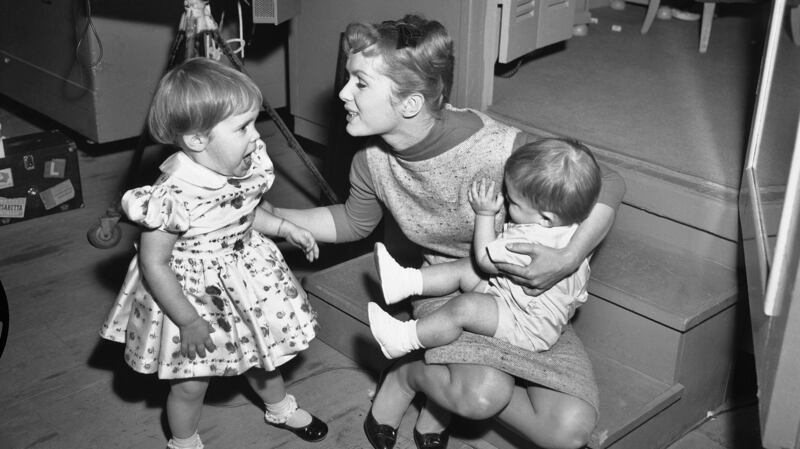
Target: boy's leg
[
  {"x": 398, "y": 282},
  {"x": 474, "y": 312}
]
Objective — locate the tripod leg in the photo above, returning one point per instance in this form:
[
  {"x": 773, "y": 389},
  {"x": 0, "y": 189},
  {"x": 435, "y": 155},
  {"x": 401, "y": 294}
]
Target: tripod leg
[{"x": 330, "y": 195}]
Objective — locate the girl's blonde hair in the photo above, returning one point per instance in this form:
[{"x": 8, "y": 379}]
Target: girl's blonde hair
[
  {"x": 195, "y": 96},
  {"x": 417, "y": 56},
  {"x": 557, "y": 175}
]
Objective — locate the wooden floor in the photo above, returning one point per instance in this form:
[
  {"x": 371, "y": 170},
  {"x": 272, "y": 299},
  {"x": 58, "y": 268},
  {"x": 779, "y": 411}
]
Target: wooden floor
[{"x": 61, "y": 386}]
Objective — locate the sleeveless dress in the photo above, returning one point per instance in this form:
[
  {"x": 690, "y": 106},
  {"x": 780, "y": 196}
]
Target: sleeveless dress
[{"x": 235, "y": 277}]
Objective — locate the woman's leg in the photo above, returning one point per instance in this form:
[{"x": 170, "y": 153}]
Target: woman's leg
[
  {"x": 471, "y": 391},
  {"x": 184, "y": 404},
  {"x": 551, "y": 419}
]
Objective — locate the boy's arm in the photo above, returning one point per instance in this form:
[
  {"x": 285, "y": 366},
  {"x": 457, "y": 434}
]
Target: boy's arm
[
  {"x": 483, "y": 235},
  {"x": 486, "y": 203}
]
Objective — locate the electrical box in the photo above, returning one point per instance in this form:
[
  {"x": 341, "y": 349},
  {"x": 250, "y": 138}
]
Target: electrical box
[{"x": 274, "y": 11}]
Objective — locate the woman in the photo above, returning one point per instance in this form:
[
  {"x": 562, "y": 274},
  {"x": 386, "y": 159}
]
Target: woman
[{"x": 418, "y": 167}]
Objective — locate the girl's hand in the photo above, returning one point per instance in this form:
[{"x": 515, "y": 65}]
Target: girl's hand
[
  {"x": 483, "y": 198},
  {"x": 196, "y": 338},
  {"x": 304, "y": 240},
  {"x": 548, "y": 266}
]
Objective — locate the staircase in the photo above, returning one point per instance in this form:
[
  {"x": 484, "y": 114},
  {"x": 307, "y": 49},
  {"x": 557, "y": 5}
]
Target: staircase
[{"x": 660, "y": 325}]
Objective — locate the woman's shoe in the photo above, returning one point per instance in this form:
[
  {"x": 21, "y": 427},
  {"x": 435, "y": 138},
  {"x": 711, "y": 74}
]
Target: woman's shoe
[
  {"x": 431, "y": 440},
  {"x": 314, "y": 431},
  {"x": 380, "y": 436}
]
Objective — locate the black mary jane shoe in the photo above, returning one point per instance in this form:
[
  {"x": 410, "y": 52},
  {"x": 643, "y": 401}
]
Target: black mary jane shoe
[
  {"x": 316, "y": 430},
  {"x": 380, "y": 436},
  {"x": 431, "y": 440}
]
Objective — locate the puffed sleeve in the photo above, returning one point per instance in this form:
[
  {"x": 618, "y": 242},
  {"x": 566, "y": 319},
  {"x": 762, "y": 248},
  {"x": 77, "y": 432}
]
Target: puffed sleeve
[{"x": 156, "y": 207}]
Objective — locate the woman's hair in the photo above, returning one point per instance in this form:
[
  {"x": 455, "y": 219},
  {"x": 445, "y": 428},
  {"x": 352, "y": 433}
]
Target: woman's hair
[
  {"x": 196, "y": 95},
  {"x": 417, "y": 56},
  {"x": 557, "y": 175}
]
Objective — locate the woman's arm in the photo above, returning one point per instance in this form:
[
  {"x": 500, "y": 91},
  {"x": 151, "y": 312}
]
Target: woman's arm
[
  {"x": 154, "y": 255},
  {"x": 550, "y": 265},
  {"x": 317, "y": 220}
]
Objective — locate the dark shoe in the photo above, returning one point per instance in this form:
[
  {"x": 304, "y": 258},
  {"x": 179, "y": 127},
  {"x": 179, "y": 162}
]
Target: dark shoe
[
  {"x": 431, "y": 440},
  {"x": 380, "y": 436},
  {"x": 314, "y": 431}
]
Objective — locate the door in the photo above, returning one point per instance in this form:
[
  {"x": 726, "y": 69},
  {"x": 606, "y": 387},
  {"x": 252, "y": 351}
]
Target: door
[{"x": 769, "y": 210}]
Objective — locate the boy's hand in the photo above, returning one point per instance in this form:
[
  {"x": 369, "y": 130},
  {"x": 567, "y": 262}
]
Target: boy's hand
[
  {"x": 304, "y": 240},
  {"x": 483, "y": 198},
  {"x": 196, "y": 338}
]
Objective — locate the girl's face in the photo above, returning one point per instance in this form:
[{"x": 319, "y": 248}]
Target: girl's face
[
  {"x": 522, "y": 212},
  {"x": 368, "y": 100},
  {"x": 230, "y": 144}
]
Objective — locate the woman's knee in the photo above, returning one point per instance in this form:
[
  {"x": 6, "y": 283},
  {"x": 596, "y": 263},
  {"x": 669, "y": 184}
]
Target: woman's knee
[
  {"x": 573, "y": 426},
  {"x": 482, "y": 397}
]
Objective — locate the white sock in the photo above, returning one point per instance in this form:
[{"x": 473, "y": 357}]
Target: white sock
[
  {"x": 396, "y": 338},
  {"x": 192, "y": 442},
  {"x": 397, "y": 282},
  {"x": 286, "y": 412}
]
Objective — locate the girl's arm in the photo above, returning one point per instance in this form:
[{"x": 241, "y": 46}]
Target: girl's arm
[
  {"x": 266, "y": 222},
  {"x": 154, "y": 255},
  {"x": 486, "y": 203}
]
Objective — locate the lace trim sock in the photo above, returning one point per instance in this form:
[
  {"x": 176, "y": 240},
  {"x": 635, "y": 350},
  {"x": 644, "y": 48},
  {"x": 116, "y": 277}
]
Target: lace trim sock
[
  {"x": 396, "y": 338},
  {"x": 192, "y": 442},
  {"x": 397, "y": 282},
  {"x": 286, "y": 412}
]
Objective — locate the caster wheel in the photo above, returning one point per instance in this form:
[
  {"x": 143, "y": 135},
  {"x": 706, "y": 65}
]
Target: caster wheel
[
  {"x": 664, "y": 13},
  {"x": 618, "y": 5},
  {"x": 99, "y": 238},
  {"x": 580, "y": 30}
]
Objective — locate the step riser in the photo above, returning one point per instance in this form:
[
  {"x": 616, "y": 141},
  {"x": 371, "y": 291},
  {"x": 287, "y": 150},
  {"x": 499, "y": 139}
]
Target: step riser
[{"x": 695, "y": 241}]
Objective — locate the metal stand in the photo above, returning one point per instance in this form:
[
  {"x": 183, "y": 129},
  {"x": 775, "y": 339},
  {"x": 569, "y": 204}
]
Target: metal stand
[{"x": 197, "y": 26}]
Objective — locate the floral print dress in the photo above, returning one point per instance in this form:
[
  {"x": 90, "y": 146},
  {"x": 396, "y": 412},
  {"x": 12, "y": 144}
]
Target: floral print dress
[{"x": 236, "y": 278}]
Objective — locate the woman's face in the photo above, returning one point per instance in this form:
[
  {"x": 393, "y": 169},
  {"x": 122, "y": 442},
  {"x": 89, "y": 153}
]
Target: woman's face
[{"x": 367, "y": 96}]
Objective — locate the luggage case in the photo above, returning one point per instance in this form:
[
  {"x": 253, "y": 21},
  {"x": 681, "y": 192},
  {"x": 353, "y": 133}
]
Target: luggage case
[{"x": 39, "y": 175}]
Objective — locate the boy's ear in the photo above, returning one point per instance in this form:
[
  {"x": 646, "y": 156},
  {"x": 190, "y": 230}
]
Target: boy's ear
[
  {"x": 195, "y": 142},
  {"x": 412, "y": 104}
]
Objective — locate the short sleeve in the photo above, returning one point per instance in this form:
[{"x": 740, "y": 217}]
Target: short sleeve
[{"x": 156, "y": 207}]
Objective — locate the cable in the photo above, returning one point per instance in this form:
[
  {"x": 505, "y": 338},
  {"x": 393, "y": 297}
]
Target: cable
[{"x": 90, "y": 25}]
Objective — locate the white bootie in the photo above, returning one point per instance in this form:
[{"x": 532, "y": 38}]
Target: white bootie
[
  {"x": 396, "y": 338},
  {"x": 397, "y": 282}
]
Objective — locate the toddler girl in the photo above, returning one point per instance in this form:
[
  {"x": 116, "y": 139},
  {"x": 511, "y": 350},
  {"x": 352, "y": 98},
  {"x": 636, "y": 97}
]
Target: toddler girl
[
  {"x": 208, "y": 295},
  {"x": 551, "y": 186}
]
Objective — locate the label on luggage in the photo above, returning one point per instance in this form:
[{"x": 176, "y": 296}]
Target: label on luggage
[
  {"x": 6, "y": 178},
  {"x": 55, "y": 168},
  {"x": 59, "y": 193},
  {"x": 12, "y": 207}
]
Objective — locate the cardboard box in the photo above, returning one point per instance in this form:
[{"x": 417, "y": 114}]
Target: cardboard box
[{"x": 39, "y": 175}]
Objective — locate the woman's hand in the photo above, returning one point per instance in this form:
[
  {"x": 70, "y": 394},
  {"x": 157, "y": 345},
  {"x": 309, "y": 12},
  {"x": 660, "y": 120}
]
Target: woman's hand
[
  {"x": 304, "y": 240},
  {"x": 196, "y": 338},
  {"x": 548, "y": 266}
]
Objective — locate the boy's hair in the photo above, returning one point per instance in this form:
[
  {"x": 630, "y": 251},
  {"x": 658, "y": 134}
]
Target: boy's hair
[
  {"x": 417, "y": 56},
  {"x": 195, "y": 96},
  {"x": 558, "y": 175}
]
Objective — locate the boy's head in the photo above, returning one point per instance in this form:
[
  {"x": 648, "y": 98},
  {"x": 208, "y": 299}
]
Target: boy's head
[
  {"x": 555, "y": 176},
  {"x": 196, "y": 95}
]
